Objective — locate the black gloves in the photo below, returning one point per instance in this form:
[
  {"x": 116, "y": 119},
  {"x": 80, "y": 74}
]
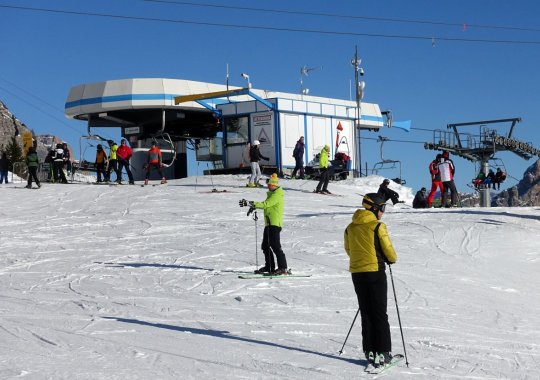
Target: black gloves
[{"x": 242, "y": 203}]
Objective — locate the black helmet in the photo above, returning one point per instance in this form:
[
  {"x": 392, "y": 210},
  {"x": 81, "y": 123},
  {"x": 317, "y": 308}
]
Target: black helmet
[
  {"x": 423, "y": 189},
  {"x": 386, "y": 182},
  {"x": 99, "y": 146},
  {"x": 373, "y": 202}
]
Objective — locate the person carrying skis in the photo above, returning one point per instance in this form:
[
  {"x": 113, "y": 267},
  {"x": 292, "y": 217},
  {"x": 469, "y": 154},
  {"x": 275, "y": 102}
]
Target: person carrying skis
[
  {"x": 298, "y": 154},
  {"x": 123, "y": 155},
  {"x": 154, "y": 161},
  {"x": 32, "y": 161},
  {"x": 387, "y": 193},
  {"x": 255, "y": 156},
  {"x": 324, "y": 170},
  {"x": 435, "y": 180},
  {"x": 368, "y": 246},
  {"x": 273, "y": 222}
]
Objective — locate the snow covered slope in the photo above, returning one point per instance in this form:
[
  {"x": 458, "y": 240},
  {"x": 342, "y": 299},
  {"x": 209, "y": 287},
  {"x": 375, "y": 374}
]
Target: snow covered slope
[{"x": 124, "y": 282}]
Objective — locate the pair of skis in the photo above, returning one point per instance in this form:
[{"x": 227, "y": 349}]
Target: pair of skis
[{"x": 258, "y": 276}]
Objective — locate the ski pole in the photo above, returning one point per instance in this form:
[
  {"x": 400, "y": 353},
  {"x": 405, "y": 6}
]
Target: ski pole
[
  {"x": 398, "y": 317},
  {"x": 255, "y": 218},
  {"x": 347, "y": 337}
]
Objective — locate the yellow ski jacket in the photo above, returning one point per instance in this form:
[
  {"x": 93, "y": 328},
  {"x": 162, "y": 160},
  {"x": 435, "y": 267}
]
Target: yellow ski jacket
[{"x": 367, "y": 243}]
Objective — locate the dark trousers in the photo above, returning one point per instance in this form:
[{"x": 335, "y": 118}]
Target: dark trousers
[
  {"x": 325, "y": 178},
  {"x": 32, "y": 174},
  {"x": 113, "y": 165},
  {"x": 124, "y": 164},
  {"x": 271, "y": 245},
  {"x": 371, "y": 291},
  {"x": 449, "y": 185},
  {"x": 156, "y": 167},
  {"x": 100, "y": 169},
  {"x": 58, "y": 171},
  {"x": 299, "y": 166}
]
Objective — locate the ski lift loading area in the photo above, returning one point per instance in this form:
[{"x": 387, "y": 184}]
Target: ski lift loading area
[
  {"x": 482, "y": 148},
  {"x": 220, "y": 120}
]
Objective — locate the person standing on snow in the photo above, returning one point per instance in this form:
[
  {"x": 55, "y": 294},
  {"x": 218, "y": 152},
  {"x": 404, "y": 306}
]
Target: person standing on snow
[
  {"x": 436, "y": 182},
  {"x": 324, "y": 170},
  {"x": 101, "y": 162},
  {"x": 32, "y": 161},
  {"x": 255, "y": 156},
  {"x": 447, "y": 170},
  {"x": 4, "y": 168},
  {"x": 58, "y": 164},
  {"x": 298, "y": 154},
  {"x": 154, "y": 161},
  {"x": 113, "y": 163},
  {"x": 368, "y": 246},
  {"x": 123, "y": 155},
  {"x": 273, "y": 222}
]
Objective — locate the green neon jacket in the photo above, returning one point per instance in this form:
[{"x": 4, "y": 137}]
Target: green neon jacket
[
  {"x": 367, "y": 243},
  {"x": 273, "y": 207},
  {"x": 323, "y": 159}
]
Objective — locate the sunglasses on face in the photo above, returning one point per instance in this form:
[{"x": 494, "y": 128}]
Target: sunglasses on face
[{"x": 382, "y": 208}]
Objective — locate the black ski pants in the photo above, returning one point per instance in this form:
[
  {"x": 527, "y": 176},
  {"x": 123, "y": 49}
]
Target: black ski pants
[
  {"x": 32, "y": 174},
  {"x": 371, "y": 291},
  {"x": 449, "y": 185},
  {"x": 271, "y": 245},
  {"x": 299, "y": 166},
  {"x": 325, "y": 178},
  {"x": 121, "y": 165}
]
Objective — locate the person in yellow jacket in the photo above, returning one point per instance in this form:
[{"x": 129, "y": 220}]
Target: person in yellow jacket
[
  {"x": 273, "y": 222},
  {"x": 368, "y": 246},
  {"x": 324, "y": 170},
  {"x": 113, "y": 162}
]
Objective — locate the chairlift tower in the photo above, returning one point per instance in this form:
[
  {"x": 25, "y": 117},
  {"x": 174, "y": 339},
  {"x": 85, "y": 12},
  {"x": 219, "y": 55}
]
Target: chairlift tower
[{"x": 481, "y": 148}]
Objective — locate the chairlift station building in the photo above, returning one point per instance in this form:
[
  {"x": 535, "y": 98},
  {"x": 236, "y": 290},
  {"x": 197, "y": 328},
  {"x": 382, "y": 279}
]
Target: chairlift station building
[{"x": 221, "y": 120}]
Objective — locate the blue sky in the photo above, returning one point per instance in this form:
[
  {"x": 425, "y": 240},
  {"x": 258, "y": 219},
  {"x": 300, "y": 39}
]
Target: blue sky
[{"x": 438, "y": 77}]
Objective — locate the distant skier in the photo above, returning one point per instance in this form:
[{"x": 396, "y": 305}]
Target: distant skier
[
  {"x": 273, "y": 219},
  {"x": 298, "y": 154},
  {"x": 123, "y": 155},
  {"x": 324, "y": 171},
  {"x": 4, "y": 168},
  {"x": 32, "y": 161},
  {"x": 113, "y": 162},
  {"x": 58, "y": 164},
  {"x": 154, "y": 161},
  {"x": 447, "y": 170},
  {"x": 387, "y": 193},
  {"x": 420, "y": 199},
  {"x": 255, "y": 156},
  {"x": 368, "y": 246},
  {"x": 436, "y": 182},
  {"x": 101, "y": 163}
]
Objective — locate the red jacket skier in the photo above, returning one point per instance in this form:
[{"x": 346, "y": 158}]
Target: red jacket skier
[{"x": 435, "y": 179}]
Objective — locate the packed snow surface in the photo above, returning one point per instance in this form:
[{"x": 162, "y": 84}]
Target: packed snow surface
[{"x": 130, "y": 282}]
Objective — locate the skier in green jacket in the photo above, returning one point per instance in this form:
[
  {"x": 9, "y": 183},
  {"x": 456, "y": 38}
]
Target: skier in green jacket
[
  {"x": 32, "y": 161},
  {"x": 273, "y": 219}
]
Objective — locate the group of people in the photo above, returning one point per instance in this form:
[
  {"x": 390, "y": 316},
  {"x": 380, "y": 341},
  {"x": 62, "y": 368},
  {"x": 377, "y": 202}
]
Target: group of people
[
  {"x": 118, "y": 160},
  {"x": 492, "y": 179},
  {"x": 442, "y": 171}
]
